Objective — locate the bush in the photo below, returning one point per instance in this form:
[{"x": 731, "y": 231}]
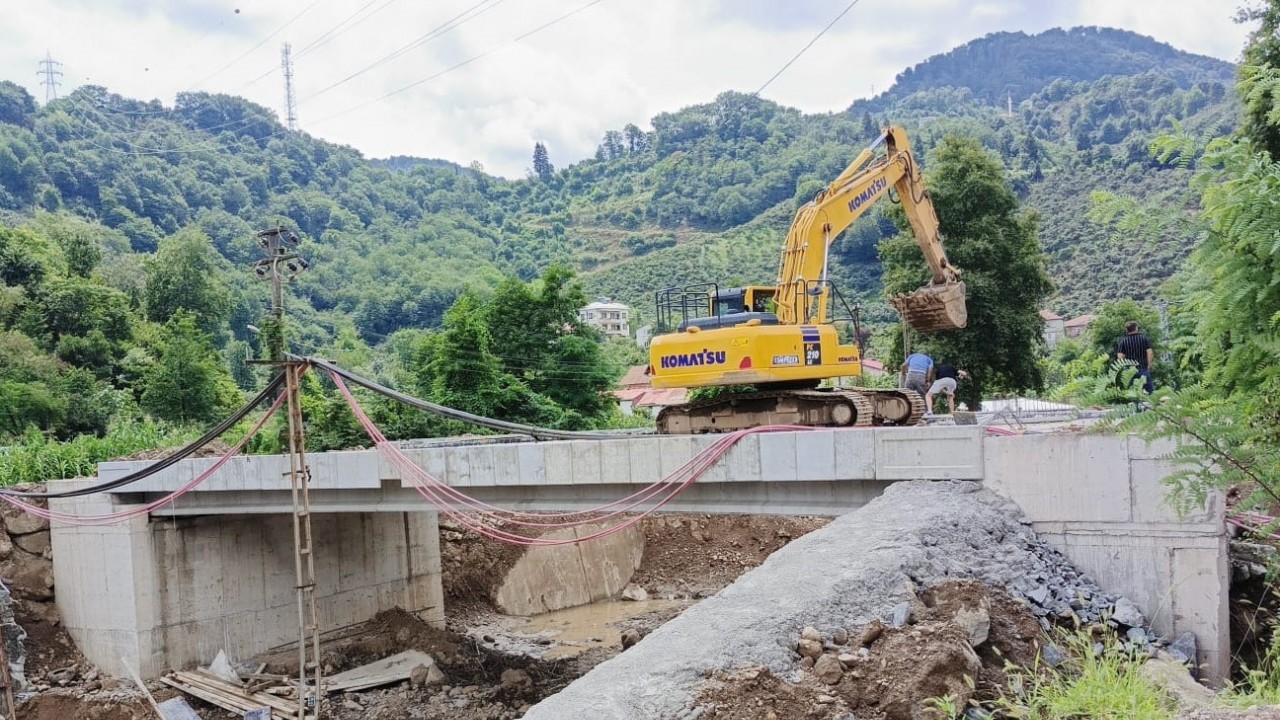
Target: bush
[{"x": 38, "y": 459}]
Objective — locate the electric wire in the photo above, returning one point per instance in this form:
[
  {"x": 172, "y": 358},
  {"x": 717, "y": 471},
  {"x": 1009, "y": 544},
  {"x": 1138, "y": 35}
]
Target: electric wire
[
  {"x": 464, "y": 63},
  {"x": 147, "y": 508},
  {"x": 452, "y": 23},
  {"x": 261, "y": 42},
  {"x": 453, "y": 414},
  {"x": 168, "y": 461},
  {"x": 804, "y": 49}
]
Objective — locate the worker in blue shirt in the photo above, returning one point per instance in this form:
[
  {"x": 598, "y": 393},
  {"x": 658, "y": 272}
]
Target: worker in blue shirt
[{"x": 916, "y": 373}]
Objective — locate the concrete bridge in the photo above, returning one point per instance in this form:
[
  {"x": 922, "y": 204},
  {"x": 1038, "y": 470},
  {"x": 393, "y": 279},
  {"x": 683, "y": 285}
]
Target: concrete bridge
[{"x": 215, "y": 569}]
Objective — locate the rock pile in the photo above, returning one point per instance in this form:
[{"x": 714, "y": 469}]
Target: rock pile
[{"x": 871, "y": 568}]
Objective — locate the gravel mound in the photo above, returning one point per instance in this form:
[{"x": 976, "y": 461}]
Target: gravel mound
[{"x": 861, "y": 567}]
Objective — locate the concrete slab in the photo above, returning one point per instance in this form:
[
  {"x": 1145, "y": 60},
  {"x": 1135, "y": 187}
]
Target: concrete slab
[
  {"x": 1081, "y": 478},
  {"x": 778, "y": 457},
  {"x": 934, "y": 453},
  {"x": 855, "y": 452},
  {"x": 816, "y": 455}
]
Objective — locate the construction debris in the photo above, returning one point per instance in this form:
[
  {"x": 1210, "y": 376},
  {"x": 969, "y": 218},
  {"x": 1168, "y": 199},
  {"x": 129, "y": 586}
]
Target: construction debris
[
  {"x": 388, "y": 670},
  {"x": 235, "y": 697},
  {"x": 176, "y": 709}
]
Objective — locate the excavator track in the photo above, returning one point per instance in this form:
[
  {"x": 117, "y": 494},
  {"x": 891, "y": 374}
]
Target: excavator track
[{"x": 837, "y": 407}]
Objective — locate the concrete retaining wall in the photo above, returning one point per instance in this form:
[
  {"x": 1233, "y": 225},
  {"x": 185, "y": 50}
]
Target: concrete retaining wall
[
  {"x": 169, "y": 594},
  {"x": 553, "y": 577},
  {"x": 1100, "y": 500}
]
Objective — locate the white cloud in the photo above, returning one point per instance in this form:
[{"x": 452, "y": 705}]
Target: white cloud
[{"x": 616, "y": 62}]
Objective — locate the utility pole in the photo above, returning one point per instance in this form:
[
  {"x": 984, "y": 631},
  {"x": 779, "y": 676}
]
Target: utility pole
[
  {"x": 290, "y": 103},
  {"x": 282, "y": 264},
  {"x": 48, "y": 68}
]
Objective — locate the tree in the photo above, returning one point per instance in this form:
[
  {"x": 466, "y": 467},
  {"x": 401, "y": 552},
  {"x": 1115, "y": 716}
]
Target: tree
[
  {"x": 1109, "y": 325},
  {"x": 996, "y": 246},
  {"x": 17, "y": 107},
  {"x": 542, "y": 166},
  {"x": 635, "y": 138},
  {"x": 188, "y": 382},
  {"x": 25, "y": 257},
  {"x": 1259, "y": 83},
  {"x": 186, "y": 274}
]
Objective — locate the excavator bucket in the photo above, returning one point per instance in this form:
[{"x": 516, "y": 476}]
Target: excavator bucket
[{"x": 934, "y": 307}]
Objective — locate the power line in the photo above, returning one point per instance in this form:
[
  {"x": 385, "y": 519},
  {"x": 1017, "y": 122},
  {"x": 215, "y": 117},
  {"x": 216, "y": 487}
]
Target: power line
[
  {"x": 466, "y": 62},
  {"x": 452, "y": 23},
  {"x": 262, "y": 42},
  {"x": 807, "y": 46},
  {"x": 329, "y": 34}
]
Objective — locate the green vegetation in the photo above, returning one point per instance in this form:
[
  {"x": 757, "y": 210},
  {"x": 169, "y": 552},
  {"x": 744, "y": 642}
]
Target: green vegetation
[
  {"x": 1098, "y": 680},
  {"x": 125, "y": 228},
  {"x": 1227, "y": 301},
  {"x": 997, "y": 249},
  {"x": 35, "y": 458}
]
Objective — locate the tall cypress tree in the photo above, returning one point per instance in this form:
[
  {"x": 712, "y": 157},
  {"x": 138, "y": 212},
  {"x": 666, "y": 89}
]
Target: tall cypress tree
[{"x": 542, "y": 166}]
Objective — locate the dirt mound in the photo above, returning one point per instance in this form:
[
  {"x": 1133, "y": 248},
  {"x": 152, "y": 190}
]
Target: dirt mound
[
  {"x": 685, "y": 556},
  {"x": 954, "y": 643},
  {"x": 472, "y": 565},
  {"x": 215, "y": 448},
  {"x": 479, "y": 683},
  {"x": 698, "y": 555},
  {"x": 49, "y": 647},
  {"x": 69, "y": 705}
]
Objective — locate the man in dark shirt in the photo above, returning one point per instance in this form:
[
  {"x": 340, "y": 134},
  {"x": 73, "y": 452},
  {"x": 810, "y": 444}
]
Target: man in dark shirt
[
  {"x": 1135, "y": 346},
  {"x": 945, "y": 385}
]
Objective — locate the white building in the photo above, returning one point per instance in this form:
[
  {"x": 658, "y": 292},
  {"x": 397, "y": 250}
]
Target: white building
[{"x": 608, "y": 317}]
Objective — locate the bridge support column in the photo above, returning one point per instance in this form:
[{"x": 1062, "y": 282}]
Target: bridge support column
[{"x": 163, "y": 594}]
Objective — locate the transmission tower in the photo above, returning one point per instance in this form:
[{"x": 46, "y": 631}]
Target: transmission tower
[
  {"x": 290, "y": 103},
  {"x": 49, "y": 69}
]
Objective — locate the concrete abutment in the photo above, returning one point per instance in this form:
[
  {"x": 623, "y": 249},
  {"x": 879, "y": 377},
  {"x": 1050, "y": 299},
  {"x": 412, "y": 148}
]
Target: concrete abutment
[{"x": 164, "y": 594}]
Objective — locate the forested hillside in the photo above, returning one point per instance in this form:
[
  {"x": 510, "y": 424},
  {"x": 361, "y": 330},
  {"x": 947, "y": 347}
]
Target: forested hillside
[{"x": 131, "y": 223}]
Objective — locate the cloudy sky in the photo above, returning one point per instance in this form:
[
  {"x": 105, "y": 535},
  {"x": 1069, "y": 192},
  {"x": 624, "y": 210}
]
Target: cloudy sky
[{"x": 506, "y": 73}]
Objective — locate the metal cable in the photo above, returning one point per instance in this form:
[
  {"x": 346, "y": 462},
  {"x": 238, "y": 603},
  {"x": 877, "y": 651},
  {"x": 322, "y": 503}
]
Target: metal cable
[
  {"x": 448, "y": 412},
  {"x": 167, "y": 462}
]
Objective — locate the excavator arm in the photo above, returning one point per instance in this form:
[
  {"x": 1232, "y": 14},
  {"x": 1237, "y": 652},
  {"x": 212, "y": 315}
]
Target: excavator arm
[{"x": 802, "y": 287}]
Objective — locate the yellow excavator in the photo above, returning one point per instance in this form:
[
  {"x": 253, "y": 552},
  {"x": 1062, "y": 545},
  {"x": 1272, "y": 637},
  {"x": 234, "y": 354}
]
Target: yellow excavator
[{"x": 783, "y": 339}]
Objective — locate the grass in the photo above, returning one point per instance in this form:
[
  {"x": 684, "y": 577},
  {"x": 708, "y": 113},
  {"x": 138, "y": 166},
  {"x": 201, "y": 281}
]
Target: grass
[
  {"x": 35, "y": 458},
  {"x": 1102, "y": 683},
  {"x": 1261, "y": 685}
]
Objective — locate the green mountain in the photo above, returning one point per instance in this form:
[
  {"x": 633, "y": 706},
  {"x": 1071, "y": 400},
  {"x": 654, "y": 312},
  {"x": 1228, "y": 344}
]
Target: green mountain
[{"x": 705, "y": 195}]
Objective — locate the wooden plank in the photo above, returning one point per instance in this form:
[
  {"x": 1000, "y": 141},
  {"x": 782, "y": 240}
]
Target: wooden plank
[
  {"x": 235, "y": 705},
  {"x": 218, "y": 685},
  {"x": 212, "y": 698},
  {"x": 383, "y": 672}
]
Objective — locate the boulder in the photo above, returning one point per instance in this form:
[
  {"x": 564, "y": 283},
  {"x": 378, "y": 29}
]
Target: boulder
[
  {"x": 30, "y": 579},
  {"x": 1172, "y": 676},
  {"x": 37, "y": 543},
  {"x": 977, "y": 623},
  {"x": 17, "y": 522},
  {"x": 828, "y": 669}
]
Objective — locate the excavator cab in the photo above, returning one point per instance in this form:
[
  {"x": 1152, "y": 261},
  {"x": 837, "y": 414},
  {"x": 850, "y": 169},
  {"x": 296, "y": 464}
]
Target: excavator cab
[{"x": 934, "y": 307}]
